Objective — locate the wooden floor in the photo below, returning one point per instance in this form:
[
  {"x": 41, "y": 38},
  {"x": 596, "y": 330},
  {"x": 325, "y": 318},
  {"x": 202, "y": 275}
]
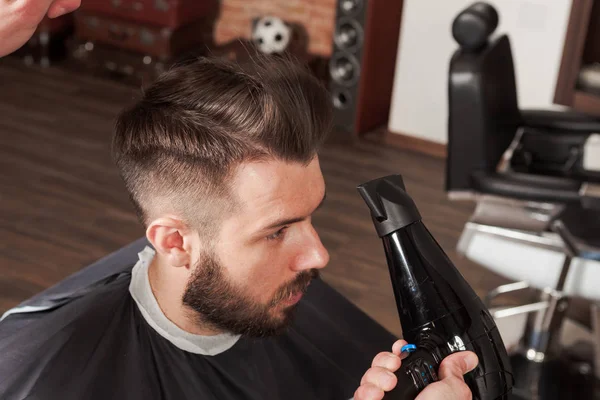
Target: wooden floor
[{"x": 62, "y": 204}]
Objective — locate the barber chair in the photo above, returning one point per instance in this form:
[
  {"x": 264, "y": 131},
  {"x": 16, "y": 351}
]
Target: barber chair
[{"x": 537, "y": 216}]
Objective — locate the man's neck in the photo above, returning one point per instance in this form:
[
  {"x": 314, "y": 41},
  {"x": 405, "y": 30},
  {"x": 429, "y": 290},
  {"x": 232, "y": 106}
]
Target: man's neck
[{"x": 168, "y": 287}]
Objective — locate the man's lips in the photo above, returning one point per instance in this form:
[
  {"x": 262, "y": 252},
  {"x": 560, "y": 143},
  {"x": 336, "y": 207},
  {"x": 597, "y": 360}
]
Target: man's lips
[{"x": 294, "y": 298}]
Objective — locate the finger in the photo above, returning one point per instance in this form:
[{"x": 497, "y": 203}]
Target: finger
[
  {"x": 397, "y": 346},
  {"x": 387, "y": 360},
  {"x": 380, "y": 377},
  {"x": 368, "y": 391},
  {"x": 30, "y": 5},
  {"x": 63, "y": 7},
  {"x": 458, "y": 364}
]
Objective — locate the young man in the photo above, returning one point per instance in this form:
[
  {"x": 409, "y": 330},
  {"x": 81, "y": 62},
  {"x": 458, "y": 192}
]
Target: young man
[{"x": 221, "y": 163}]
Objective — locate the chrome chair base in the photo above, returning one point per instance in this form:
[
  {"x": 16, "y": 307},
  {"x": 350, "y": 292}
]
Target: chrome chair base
[
  {"x": 549, "y": 363},
  {"x": 570, "y": 375},
  {"x": 525, "y": 240}
]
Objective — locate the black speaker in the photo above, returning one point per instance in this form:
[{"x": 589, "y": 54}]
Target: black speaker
[{"x": 363, "y": 62}]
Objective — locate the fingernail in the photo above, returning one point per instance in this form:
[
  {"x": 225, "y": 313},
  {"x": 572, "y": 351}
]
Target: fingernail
[
  {"x": 61, "y": 10},
  {"x": 57, "y": 12},
  {"x": 398, "y": 345}
]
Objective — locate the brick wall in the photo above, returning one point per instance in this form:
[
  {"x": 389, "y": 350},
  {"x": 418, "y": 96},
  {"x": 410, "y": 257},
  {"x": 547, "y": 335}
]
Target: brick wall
[{"x": 317, "y": 17}]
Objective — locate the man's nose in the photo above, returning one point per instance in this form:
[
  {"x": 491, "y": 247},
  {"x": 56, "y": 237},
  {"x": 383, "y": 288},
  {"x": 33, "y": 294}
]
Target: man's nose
[{"x": 313, "y": 254}]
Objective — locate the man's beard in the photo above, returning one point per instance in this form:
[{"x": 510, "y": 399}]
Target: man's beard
[{"x": 222, "y": 306}]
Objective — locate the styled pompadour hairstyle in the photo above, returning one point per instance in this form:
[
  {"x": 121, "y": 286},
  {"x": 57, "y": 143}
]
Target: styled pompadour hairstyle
[{"x": 177, "y": 147}]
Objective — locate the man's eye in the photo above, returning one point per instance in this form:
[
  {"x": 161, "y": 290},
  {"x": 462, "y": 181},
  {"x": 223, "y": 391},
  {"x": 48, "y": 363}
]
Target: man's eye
[{"x": 277, "y": 235}]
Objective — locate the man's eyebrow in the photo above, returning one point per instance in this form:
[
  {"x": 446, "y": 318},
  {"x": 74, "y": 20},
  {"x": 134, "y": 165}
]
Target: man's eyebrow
[{"x": 289, "y": 221}]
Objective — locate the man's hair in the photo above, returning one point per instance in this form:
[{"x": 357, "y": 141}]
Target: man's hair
[{"x": 178, "y": 146}]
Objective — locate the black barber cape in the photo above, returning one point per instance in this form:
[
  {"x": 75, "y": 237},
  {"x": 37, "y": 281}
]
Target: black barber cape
[{"x": 96, "y": 336}]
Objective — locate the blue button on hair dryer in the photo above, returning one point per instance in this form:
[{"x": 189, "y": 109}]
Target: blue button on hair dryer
[{"x": 439, "y": 312}]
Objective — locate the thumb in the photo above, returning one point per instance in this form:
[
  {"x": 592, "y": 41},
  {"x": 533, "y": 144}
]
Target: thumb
[{"x": 458, "y": 364}]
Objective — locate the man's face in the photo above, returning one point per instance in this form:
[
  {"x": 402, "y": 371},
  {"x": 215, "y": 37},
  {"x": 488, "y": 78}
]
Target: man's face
[{"x": 265, "y": 255}]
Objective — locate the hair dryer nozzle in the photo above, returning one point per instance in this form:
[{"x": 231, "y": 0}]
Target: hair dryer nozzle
[{"x": 391, "y": 207}]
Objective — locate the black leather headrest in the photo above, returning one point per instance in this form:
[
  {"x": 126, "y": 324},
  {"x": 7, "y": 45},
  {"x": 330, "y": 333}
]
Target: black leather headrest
[{"x": 473, "y": 26}]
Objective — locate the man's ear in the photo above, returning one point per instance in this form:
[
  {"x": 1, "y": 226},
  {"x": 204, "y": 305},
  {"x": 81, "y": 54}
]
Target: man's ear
[{"x": 173, "y": 239}]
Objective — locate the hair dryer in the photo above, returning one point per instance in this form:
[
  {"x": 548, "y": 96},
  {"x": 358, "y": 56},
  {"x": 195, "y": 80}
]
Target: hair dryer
[{"x": 439, "y": 312}]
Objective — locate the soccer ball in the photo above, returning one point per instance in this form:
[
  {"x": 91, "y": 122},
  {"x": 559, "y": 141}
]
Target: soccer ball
[{"x": 271, "y": 35}]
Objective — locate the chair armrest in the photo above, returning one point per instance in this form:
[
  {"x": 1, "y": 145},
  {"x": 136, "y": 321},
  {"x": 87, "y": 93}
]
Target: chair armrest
[
  {"x": 528, "y": 187},
  {"x": 562, "y": 120}
]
